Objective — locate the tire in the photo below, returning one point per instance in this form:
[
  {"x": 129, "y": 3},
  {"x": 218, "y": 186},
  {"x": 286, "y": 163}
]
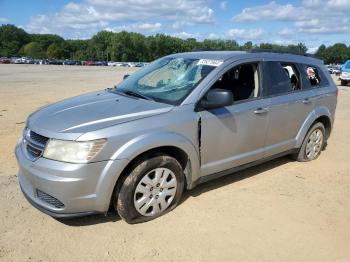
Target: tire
[
  {"x": 304, "y": 154},
  {"x": 152, "y": 187}
]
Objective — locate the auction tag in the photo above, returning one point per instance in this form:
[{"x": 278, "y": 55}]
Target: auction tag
[{"x": 210, "y": 62}]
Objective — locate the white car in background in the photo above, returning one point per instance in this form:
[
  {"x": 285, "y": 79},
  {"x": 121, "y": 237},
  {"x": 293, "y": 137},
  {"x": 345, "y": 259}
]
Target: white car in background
[{"x": 345, "y": 73}]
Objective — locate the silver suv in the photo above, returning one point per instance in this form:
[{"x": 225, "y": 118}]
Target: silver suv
[{"x": 182, "y": 120}]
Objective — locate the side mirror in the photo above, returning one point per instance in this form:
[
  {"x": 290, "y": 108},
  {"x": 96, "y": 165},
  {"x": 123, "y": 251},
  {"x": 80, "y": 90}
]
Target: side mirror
[
  {"x": 125, "y": 76},
  {"x": 217, "y": 98}
]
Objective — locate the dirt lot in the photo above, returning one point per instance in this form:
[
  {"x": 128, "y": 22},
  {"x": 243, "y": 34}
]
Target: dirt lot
[{"x": 278, "y": 211}]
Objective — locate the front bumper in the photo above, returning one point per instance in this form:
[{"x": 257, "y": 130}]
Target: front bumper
[
  {"x": 54, "y": 214},
  {"x": 81, "y": 189},
  {"x": 345, "y": 77}
]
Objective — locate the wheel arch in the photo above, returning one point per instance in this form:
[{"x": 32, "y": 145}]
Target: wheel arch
[
  {"x": 320, "y": 114},
  {"x": 326, "y": 123},
  {"x": 172, "y": 144},
  {"x": 179, "y": 154}
]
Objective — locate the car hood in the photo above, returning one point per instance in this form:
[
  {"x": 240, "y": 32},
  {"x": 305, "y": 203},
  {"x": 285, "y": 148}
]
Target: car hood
[{"x": 72, "y": 117}]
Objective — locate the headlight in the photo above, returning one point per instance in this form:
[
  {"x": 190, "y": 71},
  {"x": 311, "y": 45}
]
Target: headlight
[{"x": 73, "y": 151}]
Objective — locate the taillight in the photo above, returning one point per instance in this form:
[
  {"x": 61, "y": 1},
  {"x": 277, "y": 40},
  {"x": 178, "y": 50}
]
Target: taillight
[{"x": 337, "y": 92}]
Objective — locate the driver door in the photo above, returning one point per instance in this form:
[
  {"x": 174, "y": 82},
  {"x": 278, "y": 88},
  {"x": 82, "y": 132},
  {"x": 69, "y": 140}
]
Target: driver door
[{"x": 235, "y": 135}]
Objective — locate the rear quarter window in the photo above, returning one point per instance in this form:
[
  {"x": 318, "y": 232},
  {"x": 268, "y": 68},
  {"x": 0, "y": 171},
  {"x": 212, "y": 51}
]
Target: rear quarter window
[{"x": 313, "y": 76}]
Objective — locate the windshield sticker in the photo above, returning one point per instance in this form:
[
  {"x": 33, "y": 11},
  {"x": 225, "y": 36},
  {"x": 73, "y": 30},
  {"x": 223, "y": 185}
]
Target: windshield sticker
[{"x": 210, "y": 62}]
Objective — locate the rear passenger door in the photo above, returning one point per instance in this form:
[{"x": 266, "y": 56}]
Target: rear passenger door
[{"x": 290, "y": 102}]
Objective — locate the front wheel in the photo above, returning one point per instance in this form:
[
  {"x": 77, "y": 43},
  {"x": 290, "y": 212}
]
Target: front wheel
[
  {"x": 153, "y": 187},
  {"x": 313, "y": 144}
]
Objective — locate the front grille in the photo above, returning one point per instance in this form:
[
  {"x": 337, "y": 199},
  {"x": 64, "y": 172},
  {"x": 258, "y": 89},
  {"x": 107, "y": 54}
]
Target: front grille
[
  {"x": 38, "y": 138},
  {"x": 34, "y": 143},
  {"x": 33, "y": 151},
  {"x": 49, "y": 199}
]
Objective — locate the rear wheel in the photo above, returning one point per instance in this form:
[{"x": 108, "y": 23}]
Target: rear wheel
[
  {"x": 153, "y": 187},
  {"x": 314, "y": 142}
]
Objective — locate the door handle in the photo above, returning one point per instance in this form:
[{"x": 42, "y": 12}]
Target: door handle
[
  {"x": 260, "y": 111},
  {"x": 306, "y": 101}
]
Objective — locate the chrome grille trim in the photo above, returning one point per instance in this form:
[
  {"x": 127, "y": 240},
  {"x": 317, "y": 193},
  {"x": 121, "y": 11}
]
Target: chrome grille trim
[{"x": 34, "y": 144}]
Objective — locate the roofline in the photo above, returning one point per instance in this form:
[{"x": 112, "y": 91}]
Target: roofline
[{"x": 231, "y": 55}]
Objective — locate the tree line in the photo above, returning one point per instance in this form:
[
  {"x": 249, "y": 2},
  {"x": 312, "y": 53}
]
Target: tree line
[
  {"x": 129, "y": 46},
  {"x": 334, "y": 54}
]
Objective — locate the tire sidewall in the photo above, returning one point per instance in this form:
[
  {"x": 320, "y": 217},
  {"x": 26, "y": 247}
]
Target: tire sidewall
[
  {"x": 125, "y": 202},
  {"x": 302, "y": 154}
]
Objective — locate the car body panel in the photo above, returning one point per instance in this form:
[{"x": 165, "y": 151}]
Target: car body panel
[
  {"x": 78, "y": 186},
  {"x": 233, "y": 126},
  {"x": 91, "y": 112}
]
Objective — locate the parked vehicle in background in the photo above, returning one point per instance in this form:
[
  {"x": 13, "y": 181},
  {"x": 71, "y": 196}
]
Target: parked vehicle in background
[
  {"x": 29, "y": 60},
  {"x": 13, "y": 59},
  {"x": 337, "y": 69},
  {"x": 5, "y": 60},
  {"x": 330, "y": 69},
  {"x": 112, "y": 63},
  {"x": 100, "y": 63},
  {"x": 52, "y": 61},
  {"x": 88, "y": 63},
  {"x": 183, "y": 120},
  {"x": 345, "y": 73},
  {"x": 334, "y": 69},
  {"x": 21, "y": 60},
  {"x": 71, "y": 62}
]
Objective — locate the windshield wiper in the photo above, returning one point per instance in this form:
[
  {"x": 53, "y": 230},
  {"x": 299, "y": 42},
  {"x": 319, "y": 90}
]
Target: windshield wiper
[{"x": 135, "y": 94}]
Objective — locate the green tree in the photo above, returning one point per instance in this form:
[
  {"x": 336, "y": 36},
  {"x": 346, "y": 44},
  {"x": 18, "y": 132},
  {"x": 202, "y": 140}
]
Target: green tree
[
  {"x": 45, "y": 40},
  {"x": 248, "y": 46},
  {"x": 12, "y": 39},
  {"x": 54, "y": 51},
  {"x": 321, "y": 52},
  {"x": 33, "y": 49},
  {"x": 77, "y": 49},
  {"x": 337, "y": 53},
  {"x": 100, "y": 43},
  {"x": 129, "y": 46}
]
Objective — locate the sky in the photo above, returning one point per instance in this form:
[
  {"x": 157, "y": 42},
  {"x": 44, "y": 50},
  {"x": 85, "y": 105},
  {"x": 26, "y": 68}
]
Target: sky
[{"x": 313, "y": 22}]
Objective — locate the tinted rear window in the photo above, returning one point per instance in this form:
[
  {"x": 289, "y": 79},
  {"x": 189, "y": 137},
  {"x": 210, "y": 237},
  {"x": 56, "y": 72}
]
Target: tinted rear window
[{"x": 276, "y": 79}]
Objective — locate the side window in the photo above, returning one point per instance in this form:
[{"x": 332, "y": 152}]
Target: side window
[
  {"x": 241, "y": 80},
  {"x": 277, "y": 79},
  {"x": 294, "y": 76},
  {"x": 313, "y": 77}
]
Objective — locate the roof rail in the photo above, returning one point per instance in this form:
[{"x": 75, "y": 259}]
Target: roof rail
[
  {"x": 277, "y": 51},
  {"x": 203, "y": 49}
]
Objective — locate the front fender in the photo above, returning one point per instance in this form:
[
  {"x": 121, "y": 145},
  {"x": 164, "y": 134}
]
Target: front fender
[
  {"x": 145, "y": 142},
  {"x": 316, "y": 113}
]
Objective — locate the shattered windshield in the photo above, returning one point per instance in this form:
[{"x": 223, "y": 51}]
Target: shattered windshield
[{"x": 168, "y": 80}]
